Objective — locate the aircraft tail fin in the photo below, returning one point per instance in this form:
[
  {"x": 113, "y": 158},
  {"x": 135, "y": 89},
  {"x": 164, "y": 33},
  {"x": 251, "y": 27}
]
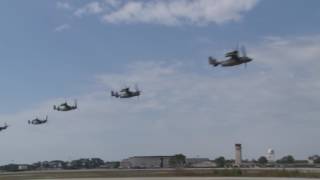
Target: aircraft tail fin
[
  {"x": 115, "y": 94},
  {"x": 213, "y": 61}
]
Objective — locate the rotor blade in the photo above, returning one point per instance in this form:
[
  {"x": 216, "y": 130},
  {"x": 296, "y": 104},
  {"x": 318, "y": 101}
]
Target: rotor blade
[
  {"x": 237, "y": 46},
  {"x": 136, "y": 87},
  {"x": 243, "y": 51}
]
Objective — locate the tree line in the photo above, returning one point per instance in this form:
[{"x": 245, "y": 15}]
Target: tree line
[
  {"x": 83, "y": 163},
  {"x": 262, "y": 160}
]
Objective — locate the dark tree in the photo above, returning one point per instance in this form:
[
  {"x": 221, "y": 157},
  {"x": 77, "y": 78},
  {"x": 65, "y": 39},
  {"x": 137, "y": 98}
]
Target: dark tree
[
  {"x": 96, "y": 162},
  {"x": 262, "y": 160},
  {"x": 177, "y": 160},
  {"x": 317, "y": 160},
  {"x": 287, "y": 160},
  {"x": 220, "y": 161}
]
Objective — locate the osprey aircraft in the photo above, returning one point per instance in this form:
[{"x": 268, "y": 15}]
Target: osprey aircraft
[
  {"x": 4, "y": 127},
  {"x": 234, "y": 59},
  {"x": 38, "y": 121},
  {"x": 66, "y": 107},
  {"x": 126, "y": 93}
]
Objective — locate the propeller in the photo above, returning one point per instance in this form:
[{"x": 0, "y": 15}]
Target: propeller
[
  {"x": 76, "y": 103},
  {"x": 136, "y": 87},
  {"x": 244, "y": 54},
  {"x": 237, "y": 46},
  {"x": 243, "y": 51}
]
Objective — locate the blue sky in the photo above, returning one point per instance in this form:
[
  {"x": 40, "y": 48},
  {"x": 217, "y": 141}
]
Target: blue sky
[{"x": 61, "y": 50}]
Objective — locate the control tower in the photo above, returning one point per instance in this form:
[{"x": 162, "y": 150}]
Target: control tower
[{"x": 238, "y": 153}]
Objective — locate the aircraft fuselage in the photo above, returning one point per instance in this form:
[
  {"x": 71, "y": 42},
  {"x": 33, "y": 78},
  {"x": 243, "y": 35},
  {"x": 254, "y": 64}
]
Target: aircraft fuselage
[
  {"x": 234, "y": 62},
  {"x": 65, "y": 109},
  {"x": 128, "y": 95}
]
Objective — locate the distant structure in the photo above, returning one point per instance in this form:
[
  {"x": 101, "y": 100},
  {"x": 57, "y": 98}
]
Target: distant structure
[
  {"x": 271, "y": 155},
  {"x": 200, "y": 163},
  {"x": 145, "y": 162},
  {"x": 312, "y": 159},
  {"x": 238, "y": 153}
]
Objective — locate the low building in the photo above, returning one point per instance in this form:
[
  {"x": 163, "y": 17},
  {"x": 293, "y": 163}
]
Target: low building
[
  {"x": 313, "y": 159},
  {"x": 145, "y": 162},
  {"x": 23, "y": 167},
  {"x": 302, "y": 163},
  {"x": 200, "y": 163},
  {"x": 111, "y": 165}
]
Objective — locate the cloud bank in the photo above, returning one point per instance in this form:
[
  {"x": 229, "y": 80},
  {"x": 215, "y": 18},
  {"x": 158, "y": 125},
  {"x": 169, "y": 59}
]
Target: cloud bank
[
  {"x": 167, "y": 12},
  {"x": 90, "y": 8}
]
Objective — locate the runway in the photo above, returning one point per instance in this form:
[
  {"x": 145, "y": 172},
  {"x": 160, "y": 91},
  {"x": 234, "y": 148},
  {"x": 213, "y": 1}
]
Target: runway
[{"x": 190, "y": 178}]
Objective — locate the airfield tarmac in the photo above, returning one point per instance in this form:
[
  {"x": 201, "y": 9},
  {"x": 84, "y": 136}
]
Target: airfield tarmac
[
  {"x": 190, "y": 178},
  {"x": 166, "y": 174}
]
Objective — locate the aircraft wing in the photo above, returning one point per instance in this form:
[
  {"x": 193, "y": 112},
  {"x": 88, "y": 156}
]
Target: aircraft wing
[{"x": 233, "y": 55}]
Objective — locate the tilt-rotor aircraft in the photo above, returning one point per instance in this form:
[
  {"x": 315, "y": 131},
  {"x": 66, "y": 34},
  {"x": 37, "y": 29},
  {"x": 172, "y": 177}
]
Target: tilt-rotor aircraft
[
  {"x": 38, "y": 121},
  {"x": 66, "y": 107},
  {"x": 234, "y": 59},
  {"x": 4, "y": 127},
  {"x": 126, "y": 93}
]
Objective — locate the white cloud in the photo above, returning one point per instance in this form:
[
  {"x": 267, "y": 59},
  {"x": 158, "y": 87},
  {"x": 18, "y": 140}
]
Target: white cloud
[
  {"x": 273, "y": 103},
  {"x": 62, "y": 27},
  {"x": 176, "y": 12},
  {"x": 90, "y": 8},
  {"x": 64, "y": 5},
  {"x": 113, "y": 3}
]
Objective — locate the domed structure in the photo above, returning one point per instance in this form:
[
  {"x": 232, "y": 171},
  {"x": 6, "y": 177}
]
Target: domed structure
[
  {"x": 270, "y": 151},
  {"x": 271, "y": 155}
]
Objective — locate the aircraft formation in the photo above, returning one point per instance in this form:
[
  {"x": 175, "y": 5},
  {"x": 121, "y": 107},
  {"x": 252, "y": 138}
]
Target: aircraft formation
[
  {"x": 234, "y": 59},
  {"x": 62, "y": 107}
]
